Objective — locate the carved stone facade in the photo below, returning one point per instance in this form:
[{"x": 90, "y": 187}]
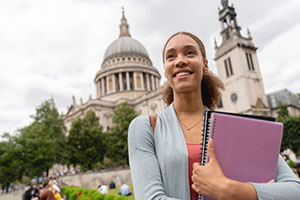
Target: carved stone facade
[
  {"x": 238, "y": 68},
  {"x": 126, "y": 75}
]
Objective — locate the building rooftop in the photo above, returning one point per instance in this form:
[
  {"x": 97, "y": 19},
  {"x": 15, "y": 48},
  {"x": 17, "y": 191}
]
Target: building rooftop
[{"x": 283, "y": 96}]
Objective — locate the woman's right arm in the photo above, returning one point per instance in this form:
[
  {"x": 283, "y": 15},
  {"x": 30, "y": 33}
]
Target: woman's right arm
[{"x": 144, "y": 167}]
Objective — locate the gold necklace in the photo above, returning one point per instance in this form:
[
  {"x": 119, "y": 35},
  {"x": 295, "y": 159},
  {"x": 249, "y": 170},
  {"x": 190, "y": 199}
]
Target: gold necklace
[{"x": 189, "y": 128}]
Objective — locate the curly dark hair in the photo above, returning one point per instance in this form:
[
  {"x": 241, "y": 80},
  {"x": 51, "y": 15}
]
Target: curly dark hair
[{"x": 210, "y": 85}]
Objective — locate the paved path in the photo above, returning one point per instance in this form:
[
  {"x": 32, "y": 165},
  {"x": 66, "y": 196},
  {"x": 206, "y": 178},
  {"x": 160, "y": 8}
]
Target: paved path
[{"x": 12, "y": 196}]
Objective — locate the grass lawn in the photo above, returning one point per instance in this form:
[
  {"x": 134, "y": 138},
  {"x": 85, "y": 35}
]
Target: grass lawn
[{"x": 117, "y": 190}]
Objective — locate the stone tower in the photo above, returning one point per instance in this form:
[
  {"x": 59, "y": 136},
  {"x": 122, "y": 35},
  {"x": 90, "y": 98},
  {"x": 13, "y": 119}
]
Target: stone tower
[{"x": 238, "y": 68}]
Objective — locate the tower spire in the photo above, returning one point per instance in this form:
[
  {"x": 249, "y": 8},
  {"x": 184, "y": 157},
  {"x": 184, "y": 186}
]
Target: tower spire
[
  {"x": 124, "y": 27},
  {"x": 224, "y": 3},
  {"x": 249, "y": 34},
  {"x": 227, "y": 18}
]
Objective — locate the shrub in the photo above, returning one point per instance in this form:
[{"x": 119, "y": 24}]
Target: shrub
[
  {"x": 97, "y": 196},
  {"x": 84, "y": 197},
  {"x": 74, "y": 194},
  {"x": 85, "y": 191},
  {"x": 91, "y": 192},
  {"x": 121, "y": 198},
  {"x": 67, "y": 190},
  {"x": 109, "y": 197}
]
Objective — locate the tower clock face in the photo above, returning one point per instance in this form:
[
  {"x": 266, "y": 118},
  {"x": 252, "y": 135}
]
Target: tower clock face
[{"x": 234, "y": 97}]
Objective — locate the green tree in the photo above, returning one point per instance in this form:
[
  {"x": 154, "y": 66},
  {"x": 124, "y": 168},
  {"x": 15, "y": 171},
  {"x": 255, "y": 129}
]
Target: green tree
[
  {"x": 291, "y": 129},
  {"x": 10, "y": 164},
  {"x": 41, "y": 143},
  {"x": 283, "y": 112},
  {"x": 85, "y": 140},
  {"x": 117, "y": 136},
  {"x": 291, "y": 133}
]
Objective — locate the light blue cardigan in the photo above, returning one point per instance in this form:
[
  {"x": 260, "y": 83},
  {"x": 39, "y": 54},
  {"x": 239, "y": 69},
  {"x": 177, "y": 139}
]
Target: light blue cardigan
[{"x": 159, "y": 163}]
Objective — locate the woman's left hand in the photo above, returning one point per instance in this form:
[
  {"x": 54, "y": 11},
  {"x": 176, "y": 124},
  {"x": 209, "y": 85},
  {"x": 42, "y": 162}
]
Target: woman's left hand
[{"x": 209, "y": 180}]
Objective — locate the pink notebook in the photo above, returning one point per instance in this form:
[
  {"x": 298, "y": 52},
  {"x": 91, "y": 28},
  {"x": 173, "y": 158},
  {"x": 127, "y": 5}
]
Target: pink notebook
[{"x": 246, "y": 149}]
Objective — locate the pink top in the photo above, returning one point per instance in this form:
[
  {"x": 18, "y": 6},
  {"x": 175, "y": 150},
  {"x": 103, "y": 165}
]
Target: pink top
[{"x": 194, "y": 154}]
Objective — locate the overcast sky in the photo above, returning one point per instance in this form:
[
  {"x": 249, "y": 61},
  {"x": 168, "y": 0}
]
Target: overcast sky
[{"x": 55, "y": 47}]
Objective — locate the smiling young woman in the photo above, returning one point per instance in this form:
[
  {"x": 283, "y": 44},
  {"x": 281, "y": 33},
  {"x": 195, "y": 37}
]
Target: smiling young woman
[
  {"x": 209, "y": 83},
  {"x": 184, "y": 65},
  {"x": 164, "y": 164}
]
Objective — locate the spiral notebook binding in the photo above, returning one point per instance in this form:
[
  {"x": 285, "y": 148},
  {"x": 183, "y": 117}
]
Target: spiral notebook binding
[
  {"x": 208, "y": 132},
  {"x": 204, "y": 136},
  {"x": 204, "y": 144}
]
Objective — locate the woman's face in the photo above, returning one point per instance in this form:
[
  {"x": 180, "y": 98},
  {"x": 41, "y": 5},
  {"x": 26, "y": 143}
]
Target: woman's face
[{"x": 184, "y": 64}]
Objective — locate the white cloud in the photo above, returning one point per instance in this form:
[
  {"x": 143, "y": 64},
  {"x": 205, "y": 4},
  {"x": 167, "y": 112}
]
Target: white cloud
[
  {"x": 279, "y": 62},
  {"x": 55, "y": 47}
]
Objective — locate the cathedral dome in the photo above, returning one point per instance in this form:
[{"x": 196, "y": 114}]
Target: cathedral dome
[
  {"x": 126, "y": 71},
  {"x": 125, "y": 45}
]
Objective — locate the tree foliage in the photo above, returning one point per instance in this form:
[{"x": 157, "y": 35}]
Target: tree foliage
[
  {"x": 291, "y": 133},
  {"x": 283, "y": 112},
  {"x": 37, "y": 146},
  {"x": 85, "y": 141},
  {"x": 117, "y": 136},
  {"x": 291, "y": 129},
  {"x": 10, "y": 164}
]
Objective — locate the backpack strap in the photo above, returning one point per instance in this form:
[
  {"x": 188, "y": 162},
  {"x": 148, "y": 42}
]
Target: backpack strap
[{"x": 153, "y": 121}]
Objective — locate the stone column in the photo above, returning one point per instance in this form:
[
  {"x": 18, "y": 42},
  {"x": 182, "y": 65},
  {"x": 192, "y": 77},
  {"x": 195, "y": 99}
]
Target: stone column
[
  {"x": 153, "y": 84},
  {"x": 107, "y": 85},
  {"x": 99, "y": 88},
  {"x": 121, "y": 82},
  {"x": 134, "y": 81},
  {"x": 114, "y": 83},
  {"x": 142, "y": 82},
  {"x": 102, "y": 86},
  {"x": 148, "y": 82},
  {"x": 127, "y": 81},
  {"x": 228, "y": 20}
]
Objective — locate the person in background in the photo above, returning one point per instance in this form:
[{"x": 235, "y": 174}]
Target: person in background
[
  {"x": 56, "y": 191},
  {"x": 28, "y": 193},
  {"x": 36, "y": 191},
  {"x": 112, "y": 185},
  {"x": 7, "y": 187},
  {"x": 3, "y": 188},
  {"x": 125, "y": 190},
  {"x": 102, "y": 188}
]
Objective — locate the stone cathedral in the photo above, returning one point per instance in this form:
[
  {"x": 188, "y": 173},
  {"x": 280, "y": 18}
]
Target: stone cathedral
[{"x": 127, "y": 75}]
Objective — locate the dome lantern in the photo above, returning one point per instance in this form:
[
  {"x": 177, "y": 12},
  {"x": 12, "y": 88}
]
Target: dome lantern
[{"x": 124, "y": 27}]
